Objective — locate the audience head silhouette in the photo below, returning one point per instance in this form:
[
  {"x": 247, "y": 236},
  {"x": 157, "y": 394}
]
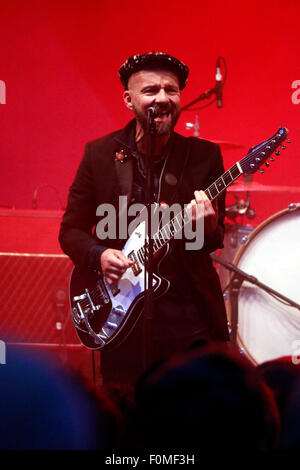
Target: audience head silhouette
[
  {"x": 208, "y": 398},
  {"x": 44, "y": 407}
]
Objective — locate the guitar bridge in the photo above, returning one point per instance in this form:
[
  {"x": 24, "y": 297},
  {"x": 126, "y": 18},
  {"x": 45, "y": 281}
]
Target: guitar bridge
[{"x": 84, "y": 306}]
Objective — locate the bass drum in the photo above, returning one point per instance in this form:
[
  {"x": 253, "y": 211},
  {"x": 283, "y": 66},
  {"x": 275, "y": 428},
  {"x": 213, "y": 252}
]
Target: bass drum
[{"x": 267, "y": 327}]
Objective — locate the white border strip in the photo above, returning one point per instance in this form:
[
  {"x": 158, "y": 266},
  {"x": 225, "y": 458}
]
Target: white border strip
[{"x": 44, "y": 255}]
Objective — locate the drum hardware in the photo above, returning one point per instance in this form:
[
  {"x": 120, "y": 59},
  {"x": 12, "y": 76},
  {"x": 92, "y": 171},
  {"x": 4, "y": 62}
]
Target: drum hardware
[
  {"x": 241, "y": 207},
  {"x": 224, "y": 145},
  {"x": 267, "y": 325},
  {"x": 217, "y": 90},
  {"x": 235, "y": 236},
  {"x": 261, "y": 188},
  {"x": 293, "y": 206},
  {"x": 195, "y": 126},
  {"x": 237, "y": 279}
]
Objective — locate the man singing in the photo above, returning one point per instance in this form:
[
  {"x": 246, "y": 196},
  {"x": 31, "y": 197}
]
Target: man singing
[{"x": 193, "y": 308}]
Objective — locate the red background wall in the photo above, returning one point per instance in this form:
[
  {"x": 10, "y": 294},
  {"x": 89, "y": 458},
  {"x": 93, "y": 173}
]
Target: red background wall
[{"x": 59, "y": 63}]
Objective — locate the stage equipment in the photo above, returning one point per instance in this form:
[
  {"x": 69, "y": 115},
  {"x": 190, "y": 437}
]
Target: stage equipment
[
  {"x": 217, "y": 90},
  {"x": 262, "y": 188},
  {"x": 34, "y": 313},
  {"x": 268, "y": 326},
  {"x": 46, "y": 186},
  {"x": 152, "y": 113},
  {"x": 219, "y": 84},
  {"x": 235, "y": 236},
  {"x": 224, "y": 145},
  {"x": 33, "y": 297},
  {"x": 104, "y": 315}
]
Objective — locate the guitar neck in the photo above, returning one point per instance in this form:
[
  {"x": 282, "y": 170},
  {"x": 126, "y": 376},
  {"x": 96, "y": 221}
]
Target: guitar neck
[
  {"x": 216, "y": 188},
  {"x": 170, "y": 230}
]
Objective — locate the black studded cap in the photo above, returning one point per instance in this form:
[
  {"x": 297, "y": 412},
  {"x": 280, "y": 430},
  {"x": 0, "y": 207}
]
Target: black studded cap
[{"x": 150, "y": 60}]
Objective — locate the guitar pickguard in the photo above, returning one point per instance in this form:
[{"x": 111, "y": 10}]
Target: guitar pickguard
[{"x": 102, "y": 312}]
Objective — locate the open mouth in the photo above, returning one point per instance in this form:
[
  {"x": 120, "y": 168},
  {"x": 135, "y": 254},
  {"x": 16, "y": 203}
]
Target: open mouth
[{"x": 162, "y": 116}]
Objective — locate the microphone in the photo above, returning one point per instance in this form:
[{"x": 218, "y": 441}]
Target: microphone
[
  {"x": 153, "y": 111},
  {"x": 42, "y": 186},
  {"x": 60, "y": 302},
  {"x": 219, "y": 85},
  {"x": 34, "y": 199}
]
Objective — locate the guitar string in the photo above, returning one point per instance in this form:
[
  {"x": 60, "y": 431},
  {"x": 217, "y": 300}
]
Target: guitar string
[
  {"x": 158, "y": 236},
  {"x": 246, "y": 159},
  {"x": 95, "y": 292},
  {"x": 250, "y": 156}
]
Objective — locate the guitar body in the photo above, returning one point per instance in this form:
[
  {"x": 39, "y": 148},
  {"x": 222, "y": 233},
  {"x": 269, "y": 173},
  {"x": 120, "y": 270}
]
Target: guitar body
[{"x": 104, "y": 315}]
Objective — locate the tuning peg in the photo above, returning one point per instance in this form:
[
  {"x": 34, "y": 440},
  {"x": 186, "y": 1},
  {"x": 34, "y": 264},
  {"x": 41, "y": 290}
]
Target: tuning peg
[
  {"x": 277, "y": 152},
  {"x": 283, "y": 147},
  {"x": 267, "y": 164},
  {"x": 261, "y": 170}
]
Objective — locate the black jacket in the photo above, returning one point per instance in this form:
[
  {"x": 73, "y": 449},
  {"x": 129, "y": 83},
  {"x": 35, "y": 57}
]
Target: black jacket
[{"x": 192, "y": 164}]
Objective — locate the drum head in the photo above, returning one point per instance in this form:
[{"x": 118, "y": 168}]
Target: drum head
[{"x": 267, "y": 327}]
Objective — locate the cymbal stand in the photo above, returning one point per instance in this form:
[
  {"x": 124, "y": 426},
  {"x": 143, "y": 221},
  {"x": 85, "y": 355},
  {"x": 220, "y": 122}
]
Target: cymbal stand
[
  {"x": 238, "y": 278},
  {"x": 241, "y": 207}
]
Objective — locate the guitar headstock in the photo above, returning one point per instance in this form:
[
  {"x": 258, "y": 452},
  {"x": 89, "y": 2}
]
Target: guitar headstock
[{"x": 259, "y": 154}]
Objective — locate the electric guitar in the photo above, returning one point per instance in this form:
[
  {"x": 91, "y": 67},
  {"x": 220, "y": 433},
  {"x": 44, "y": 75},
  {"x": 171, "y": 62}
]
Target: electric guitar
[{"x": 104, "y": 315}]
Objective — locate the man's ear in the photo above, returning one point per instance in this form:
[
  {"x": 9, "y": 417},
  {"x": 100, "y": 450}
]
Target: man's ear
[{"x": 127, "y": 99}]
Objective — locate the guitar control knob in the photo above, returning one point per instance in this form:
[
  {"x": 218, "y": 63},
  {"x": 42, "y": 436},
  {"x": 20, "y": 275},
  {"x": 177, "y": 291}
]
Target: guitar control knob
[
  {"x": 261, "y": 170},
  {"x": 272, "y": 159},
  {"x": 277, "y": 152},
  {"x": 267, "y": 164},
  {"x": 283, "y": 147}
]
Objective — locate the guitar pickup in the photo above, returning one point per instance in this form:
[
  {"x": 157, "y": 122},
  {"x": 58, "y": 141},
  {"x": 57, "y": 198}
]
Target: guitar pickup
[
  {"x": 103, "y": 292},
  {"x": 136, "y": 269}
]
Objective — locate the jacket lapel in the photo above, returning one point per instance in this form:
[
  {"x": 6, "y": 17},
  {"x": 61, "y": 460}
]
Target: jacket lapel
[
  {"x": 124, "y": 173},
  {"x": 124, "y": 169},
  {"x": 173, "y": 170}
]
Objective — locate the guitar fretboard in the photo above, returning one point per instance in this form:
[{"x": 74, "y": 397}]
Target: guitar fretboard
[
  {"x": 170, "y": 230},
  {"x": 215, "y": 189}
]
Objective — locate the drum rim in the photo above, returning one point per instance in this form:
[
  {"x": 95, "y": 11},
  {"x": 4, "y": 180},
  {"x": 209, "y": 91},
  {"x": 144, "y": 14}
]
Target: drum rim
[
  {"x": 288, "y": 210},
  {"x": 262, "y": 225}
]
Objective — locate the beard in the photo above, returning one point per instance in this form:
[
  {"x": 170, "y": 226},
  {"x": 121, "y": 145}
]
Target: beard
[{"x": 161, "y": 128}]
